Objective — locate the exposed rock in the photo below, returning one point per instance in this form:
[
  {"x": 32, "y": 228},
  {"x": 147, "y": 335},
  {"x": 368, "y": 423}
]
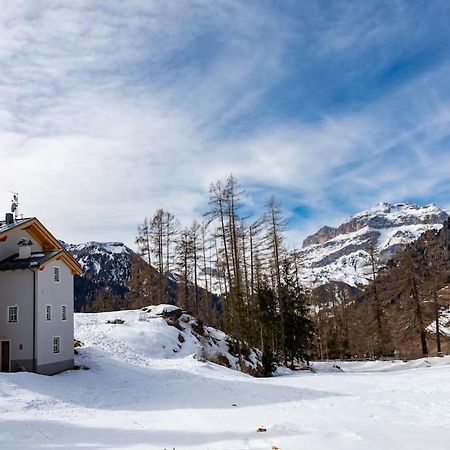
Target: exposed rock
[
  {"x": 116, "y": 321},
  {"x": 198, "y": 327},
  {"x": 323, "y": 235},
  {"x": 172, "y": 314},
  {"x": 108, "y": 265},
  {"x": 343, "y": 253},
  {"x": 212, "y": 345},
  {"x": 104, "y": 264}
]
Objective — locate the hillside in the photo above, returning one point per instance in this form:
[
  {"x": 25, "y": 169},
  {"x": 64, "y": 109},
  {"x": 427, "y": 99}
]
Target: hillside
[
  {"x": 343, "y": 253},
  {"x": 139, "y": 394},
  {"x": 105, "y": 264},
  {"x": 109, "y": 265},
  {"x": 163, "y": 332}
]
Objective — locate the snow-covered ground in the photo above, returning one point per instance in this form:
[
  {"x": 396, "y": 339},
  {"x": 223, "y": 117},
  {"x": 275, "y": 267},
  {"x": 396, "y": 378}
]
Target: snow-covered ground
[{"x": 138, "y": 393}]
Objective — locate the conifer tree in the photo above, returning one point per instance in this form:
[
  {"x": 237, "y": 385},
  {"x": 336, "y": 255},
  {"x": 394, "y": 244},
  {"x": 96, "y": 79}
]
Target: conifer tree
[
  {"x": 267, "y": 318},
  {"x": 299, "y": 327}
]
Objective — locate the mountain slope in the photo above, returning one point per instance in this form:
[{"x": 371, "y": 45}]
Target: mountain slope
[
  {"x": 108, "y": 265},
  {"x": 343, "y": 253},
  {"x": 105, "y": 264},
  {"x": 331, "y": 254}
]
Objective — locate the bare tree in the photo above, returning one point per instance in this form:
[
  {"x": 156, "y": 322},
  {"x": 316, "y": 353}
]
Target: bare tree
[{"x": 275, "y": 228}]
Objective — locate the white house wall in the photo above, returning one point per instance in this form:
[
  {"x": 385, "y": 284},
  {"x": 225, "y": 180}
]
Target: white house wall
[
  {"x": 10, "y": 246},
  {"x": 16, "y": 289},
  {"x": 55, "y": 294}
]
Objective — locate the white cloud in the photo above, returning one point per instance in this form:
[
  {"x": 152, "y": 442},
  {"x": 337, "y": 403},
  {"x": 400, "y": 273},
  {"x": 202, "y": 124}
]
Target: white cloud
[{"x": 108, "y": 112}]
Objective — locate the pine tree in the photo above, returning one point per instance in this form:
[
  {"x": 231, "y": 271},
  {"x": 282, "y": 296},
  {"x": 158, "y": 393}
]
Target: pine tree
[
  {"x": 299, "y": 327},
  {"x": 267, "y": 318},
  {"x": 143, "y": 241}
]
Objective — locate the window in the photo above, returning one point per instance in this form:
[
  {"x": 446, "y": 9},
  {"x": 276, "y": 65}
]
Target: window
[
  {"x": 56, "y": 274},
  {"x": 64, "y": 312},
  {"x": 13, "y": 314},
  {"x": 56, "y": 344},
  {"x": 48, "y": 312}
]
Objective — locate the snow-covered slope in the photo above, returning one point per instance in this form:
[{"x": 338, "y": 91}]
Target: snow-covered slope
[
  {"x": 133, "y": 397},
  {"x": 162, "y": 332},
  {"x": 105, "y": 264},
  {"x": 109, "y": 261},
  {"x": 342, "y": 253}
]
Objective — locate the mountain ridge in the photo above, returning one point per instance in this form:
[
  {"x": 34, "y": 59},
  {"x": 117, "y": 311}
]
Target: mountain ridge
[{"x": 342, "y": 253}]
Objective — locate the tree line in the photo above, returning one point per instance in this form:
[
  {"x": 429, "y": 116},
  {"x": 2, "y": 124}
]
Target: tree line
[
  {"x": 398, "y": 313},
  {"x": 236, "y": 273},
  {"x": 230, "y": 271}
]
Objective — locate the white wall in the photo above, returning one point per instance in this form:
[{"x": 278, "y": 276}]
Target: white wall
[
  {"x": 16, "y": 288},
  {"x": 55, "y": 294},
  {"x": 10, "y": 247}
]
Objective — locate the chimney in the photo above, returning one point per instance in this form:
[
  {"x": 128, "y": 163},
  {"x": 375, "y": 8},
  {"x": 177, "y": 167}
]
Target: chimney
[
  {"x": 25, "y": 248},
  {"x": 9, "y": 218}
]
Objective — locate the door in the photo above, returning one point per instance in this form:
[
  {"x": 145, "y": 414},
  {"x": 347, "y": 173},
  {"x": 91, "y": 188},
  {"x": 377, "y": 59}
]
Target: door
[{"x": 4, "y": 356}]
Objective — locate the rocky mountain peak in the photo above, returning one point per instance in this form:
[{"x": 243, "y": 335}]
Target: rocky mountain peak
[
  {"x": 342, "y": 253},
  {"x": 381, "y": 216}
]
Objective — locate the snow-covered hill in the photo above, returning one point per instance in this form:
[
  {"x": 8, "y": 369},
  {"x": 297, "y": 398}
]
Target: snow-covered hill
[
  {"x": 162, "y": 332},
  {"x": 139, "y": 394},
  {"x": 343, "y": 253}
]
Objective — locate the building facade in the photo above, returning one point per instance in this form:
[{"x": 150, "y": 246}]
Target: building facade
[{"x": 36, "y": 299}]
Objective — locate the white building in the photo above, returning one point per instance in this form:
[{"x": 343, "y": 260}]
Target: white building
[{"x": 36, "y": 299}]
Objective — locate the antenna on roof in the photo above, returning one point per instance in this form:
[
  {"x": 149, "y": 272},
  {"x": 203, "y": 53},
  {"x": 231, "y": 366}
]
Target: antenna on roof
[{"x": 15, "y": 204}]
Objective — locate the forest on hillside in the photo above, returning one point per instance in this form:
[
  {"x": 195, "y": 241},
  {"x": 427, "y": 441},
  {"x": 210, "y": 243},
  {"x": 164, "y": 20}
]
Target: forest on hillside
[{"x": 237, "y": 273}]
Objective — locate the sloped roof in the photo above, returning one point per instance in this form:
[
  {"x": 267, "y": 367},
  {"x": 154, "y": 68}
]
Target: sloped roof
[
  {"x": 40, "y": 234},
  {"x": 35, "y": 261},
  {"x": 9, "y": 226}
]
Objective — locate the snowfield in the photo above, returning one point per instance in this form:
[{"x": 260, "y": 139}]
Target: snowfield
[{"x": 140, "y": 394}]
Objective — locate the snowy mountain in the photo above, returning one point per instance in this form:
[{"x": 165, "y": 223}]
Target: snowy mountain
[
  {"x": 331, "y": 254},
  {"x": 108, "y": 265},
  {"x": 105, "y": 264},
  {"x": 343, "y": 253}
]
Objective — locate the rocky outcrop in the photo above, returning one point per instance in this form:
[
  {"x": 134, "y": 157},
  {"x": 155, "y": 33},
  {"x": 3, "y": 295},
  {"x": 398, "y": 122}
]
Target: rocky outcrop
[
  {"x": 323, "y": 235},
  {"x": 108, "y": 265},
  {"x": 382, "y": 216},
  {"x": 211, "y": 344}
]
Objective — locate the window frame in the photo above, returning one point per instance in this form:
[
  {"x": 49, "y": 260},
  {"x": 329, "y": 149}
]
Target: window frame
[
  {"x": 48, "y": 313},
  {"x": 8, "y": 313},
  {"x": 56, "y": 274},
  {"x": 56, "y": 345},
  {"x": 64, "y": 312}
]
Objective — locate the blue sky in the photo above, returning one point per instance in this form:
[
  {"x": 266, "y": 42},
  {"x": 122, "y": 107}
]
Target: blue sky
[{"x": 109, "y": 110}]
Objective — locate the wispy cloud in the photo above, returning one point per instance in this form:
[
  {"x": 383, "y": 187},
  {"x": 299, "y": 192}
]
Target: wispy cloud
[{"x": 109, "y": 110}]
